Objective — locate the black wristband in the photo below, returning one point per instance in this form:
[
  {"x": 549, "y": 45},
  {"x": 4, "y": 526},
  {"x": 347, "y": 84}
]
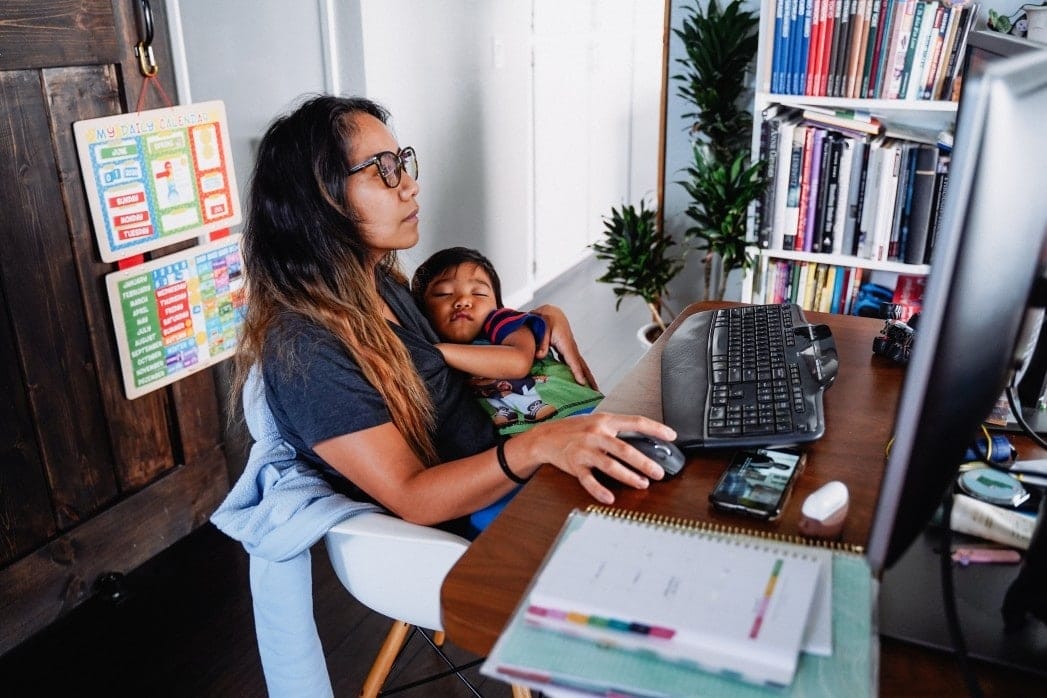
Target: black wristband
[{"x": 499, "y": 452}]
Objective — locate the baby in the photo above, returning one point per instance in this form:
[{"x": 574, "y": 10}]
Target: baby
[{"x": 460, "y": 292}]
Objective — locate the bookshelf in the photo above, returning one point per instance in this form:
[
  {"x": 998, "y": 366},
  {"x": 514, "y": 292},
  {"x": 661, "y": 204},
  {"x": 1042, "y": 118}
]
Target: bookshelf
[{"x": 894, "y": 83}]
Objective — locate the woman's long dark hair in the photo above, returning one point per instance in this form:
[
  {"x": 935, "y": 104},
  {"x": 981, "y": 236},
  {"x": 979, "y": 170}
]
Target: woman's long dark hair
[{"x": 304, "y": 253}]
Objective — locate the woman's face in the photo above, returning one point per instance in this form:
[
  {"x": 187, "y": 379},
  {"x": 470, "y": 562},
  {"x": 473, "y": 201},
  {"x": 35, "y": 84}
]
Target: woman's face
[{"x": 389, "y": 215}]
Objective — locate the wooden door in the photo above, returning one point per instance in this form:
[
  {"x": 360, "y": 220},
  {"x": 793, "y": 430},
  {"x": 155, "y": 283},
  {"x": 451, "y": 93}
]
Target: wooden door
[{"x": 90, "y": 482}]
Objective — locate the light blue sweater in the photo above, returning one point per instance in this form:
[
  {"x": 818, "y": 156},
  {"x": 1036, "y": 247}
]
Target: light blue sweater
[{"x": 278, "y": 509}]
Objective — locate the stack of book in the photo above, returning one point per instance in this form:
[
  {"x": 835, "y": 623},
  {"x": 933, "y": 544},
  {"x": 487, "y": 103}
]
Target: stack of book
[
  {"x": 627, "y": 604},
  {"x": 855, "y": 187},
  {"x": 885, "y": 49}
]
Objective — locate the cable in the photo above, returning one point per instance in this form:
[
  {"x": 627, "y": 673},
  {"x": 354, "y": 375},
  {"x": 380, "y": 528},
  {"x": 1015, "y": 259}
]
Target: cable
[
  {"x": 1020, "y": 418},
  {"x": 952, "y": 618}
]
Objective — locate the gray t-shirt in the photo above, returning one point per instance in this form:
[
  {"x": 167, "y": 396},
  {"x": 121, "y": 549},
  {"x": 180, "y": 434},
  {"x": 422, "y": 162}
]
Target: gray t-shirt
[{"x": 317, "y": 391}]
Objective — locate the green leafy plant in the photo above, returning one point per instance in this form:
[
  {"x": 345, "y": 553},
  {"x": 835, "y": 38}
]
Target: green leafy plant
[
  {"x": 639, "y": 258},
  {"x": 720, "y": 43}
]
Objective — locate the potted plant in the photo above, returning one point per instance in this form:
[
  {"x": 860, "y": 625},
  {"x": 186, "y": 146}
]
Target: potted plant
[
  {"x": 720, "y": 44},
  {"x": 639, "y": 260}
]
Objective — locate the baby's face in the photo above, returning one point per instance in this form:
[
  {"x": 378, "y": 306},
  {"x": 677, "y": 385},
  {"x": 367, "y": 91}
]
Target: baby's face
[{"x": 457, "y": 302}]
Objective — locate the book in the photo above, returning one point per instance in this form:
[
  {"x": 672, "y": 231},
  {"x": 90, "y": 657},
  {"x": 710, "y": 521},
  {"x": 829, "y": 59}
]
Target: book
[
  {"x": 830, "y": 188},
  {"x": 770, "y": 128},
  {"x": 922, "y": 204},
  {"x": 846, "y": 163},
  {"x": 530, "y": 654},
  {"x": 941, "y": 188},
  {"x": 876, "y": 7},
  {"x": 854, "y": 54},
  {"x": 934, "y": 59},
  {"x": 814, "y": 48},
  {"x": 899, "y": 48},
  {"x": 902, "y": 201},
  {"x": 791, "y": 218},
  {"x": 841, "y": 120},
  {"x": 949, "y": 41},
  {"x": 806, "y": 164},
  {"x": 781, "y": 181},
  {"x": 812, "y": 187},
  {"x": 913, "y": 80},
  {"x": 780, "y": 47},
  {"x": 856, "y": 199},
  {"x": 882, "y": 27},
  {"x": 870, "y": 200},
  {"x": 888, "y": 192},
  {"x": 910, "y": 51},
  {"x": 894, "y": 11},
  {"x": 828, "y": 27},
  {"x": 842, "y": 45}
]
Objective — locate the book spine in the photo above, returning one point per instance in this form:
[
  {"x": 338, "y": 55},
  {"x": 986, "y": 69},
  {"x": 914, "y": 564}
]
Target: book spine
[
  {"x": 770, "y": 129},
  {"x": 831, "y": 188},
  {"x": 888, "y": 21},
  {"x": 947, "y": 51},
  {"x": 856, "y": 199},
  {"x": 877, "y": 47},
  {"x": 827, "y": 44},
  {"x": 928, "y": 30},
  {"x": 893, "y": 79},
  {"x": 779, "y": 42},
  {"x": 903, "y": 202},
  {"x": 854, "y": 50},
  {"x": 810, "y": 232},
  {"x": 805, "y": 186},
  {"x": 781, "y": 180},
  {"x": 922, "y": 203},
  {"x": 839, "y": 67},
  {"x": 846, "y": 164},
  {"x": 934, "y": 57},
  {"x": 870, "y": 46},
  {"x": 910, "y": 51},
  {"x": 967, "y": 19},
  {"x": 941, "y": 188},
  {"x": 814, "y": 47},
  {"x": 792, "y": 204}
]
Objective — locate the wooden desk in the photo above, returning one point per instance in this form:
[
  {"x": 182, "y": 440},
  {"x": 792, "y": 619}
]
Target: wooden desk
[{"x": 485, "y": 585}]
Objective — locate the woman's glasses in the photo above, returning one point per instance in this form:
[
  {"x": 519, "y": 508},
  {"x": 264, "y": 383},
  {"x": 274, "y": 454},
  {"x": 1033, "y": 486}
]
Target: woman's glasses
[{"x": 390, "y": 165}]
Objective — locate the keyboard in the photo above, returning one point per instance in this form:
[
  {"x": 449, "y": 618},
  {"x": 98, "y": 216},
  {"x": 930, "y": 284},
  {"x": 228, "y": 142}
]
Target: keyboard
[{"x": 747, "y": 376}]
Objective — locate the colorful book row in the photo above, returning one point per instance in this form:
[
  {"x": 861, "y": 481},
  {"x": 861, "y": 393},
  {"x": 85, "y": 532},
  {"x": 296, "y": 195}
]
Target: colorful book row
[
  {"x": 844, "y": 192},
  {"x": 825, "y": 288},
  {"x": 870, "y": 49}
]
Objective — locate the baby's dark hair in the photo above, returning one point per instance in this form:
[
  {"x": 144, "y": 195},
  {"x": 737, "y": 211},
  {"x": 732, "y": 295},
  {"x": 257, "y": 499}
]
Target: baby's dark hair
[{"x": 443, "y": 260}]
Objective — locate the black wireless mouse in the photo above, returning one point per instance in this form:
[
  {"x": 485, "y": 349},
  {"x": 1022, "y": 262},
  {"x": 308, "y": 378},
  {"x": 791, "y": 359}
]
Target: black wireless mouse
[{"x": 664, "y": 453}]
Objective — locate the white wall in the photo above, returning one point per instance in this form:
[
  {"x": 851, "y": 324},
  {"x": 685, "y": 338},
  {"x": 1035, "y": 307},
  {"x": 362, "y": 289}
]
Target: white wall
[{"x": 519, "y": 161}]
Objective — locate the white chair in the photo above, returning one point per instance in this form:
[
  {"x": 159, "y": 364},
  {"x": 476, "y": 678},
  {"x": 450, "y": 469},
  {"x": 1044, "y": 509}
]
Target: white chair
[{"x": 395, "y": 568}]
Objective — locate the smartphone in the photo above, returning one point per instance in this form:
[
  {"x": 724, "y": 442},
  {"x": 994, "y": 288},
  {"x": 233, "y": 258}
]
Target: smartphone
[{"x": 758, "y": 481}]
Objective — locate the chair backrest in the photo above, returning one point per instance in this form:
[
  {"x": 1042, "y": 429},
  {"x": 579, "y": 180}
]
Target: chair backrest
[{"x": 394, "y": 567}]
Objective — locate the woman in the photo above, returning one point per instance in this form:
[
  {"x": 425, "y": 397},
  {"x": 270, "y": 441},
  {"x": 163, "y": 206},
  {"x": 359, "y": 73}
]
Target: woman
[{"x": 351, "y": 374}]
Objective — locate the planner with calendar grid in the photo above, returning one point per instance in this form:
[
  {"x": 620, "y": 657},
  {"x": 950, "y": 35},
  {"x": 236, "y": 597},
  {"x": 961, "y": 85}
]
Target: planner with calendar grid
[{"x": 641, "y": 604}]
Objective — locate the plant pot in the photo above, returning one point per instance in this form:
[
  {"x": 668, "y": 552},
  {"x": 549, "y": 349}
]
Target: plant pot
[
  {"x": 648, "y": 333},
  {"x": 1037, "y": 24}
]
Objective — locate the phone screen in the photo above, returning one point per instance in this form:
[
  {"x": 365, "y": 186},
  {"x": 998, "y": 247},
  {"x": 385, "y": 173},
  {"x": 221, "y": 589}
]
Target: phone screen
[{"x": 758, "y": 481}]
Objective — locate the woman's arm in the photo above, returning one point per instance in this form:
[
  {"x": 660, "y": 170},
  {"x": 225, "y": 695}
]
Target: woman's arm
[
  {"x": 379, "y": 461},
  {"x": 560, "y": 336},
  {"x": 510, "y": 359}
]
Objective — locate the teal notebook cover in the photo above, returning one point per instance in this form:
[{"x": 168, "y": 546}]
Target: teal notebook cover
[{"x": 547, "y": 660}]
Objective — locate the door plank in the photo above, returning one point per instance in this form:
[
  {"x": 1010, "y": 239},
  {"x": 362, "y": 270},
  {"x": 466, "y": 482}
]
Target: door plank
[
  {"x": 37, "y": 34},
  {"x": 141, "y": 448}
]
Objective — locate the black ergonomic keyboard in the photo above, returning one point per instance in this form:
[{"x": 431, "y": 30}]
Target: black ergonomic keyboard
[{"x": 747, "y": 376}]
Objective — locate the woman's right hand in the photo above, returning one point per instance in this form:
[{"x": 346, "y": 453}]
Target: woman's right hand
[{"x": 584, "y": 444}]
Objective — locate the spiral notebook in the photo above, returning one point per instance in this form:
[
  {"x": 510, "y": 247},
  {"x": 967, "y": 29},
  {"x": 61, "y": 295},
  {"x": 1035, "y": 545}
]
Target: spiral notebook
[{"x": 649, "y": 605}]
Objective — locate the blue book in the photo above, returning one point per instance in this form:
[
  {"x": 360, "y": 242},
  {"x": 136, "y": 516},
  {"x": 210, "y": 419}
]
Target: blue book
[
  {"x": 781, "y": 38},
  {"x": 801, "y": 45}
]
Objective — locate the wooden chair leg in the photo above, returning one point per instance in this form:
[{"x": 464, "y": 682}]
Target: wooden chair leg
[
  {"x": 521, "y": 691},
  {"x": 391, "y": 647}
]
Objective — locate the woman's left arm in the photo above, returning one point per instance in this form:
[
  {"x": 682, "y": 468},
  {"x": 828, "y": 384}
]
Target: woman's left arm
[{"x": 560, "y": 336}]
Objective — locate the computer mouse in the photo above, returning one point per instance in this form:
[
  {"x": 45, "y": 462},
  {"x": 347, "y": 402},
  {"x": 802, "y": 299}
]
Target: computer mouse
[{"x": 664, "y": 453}]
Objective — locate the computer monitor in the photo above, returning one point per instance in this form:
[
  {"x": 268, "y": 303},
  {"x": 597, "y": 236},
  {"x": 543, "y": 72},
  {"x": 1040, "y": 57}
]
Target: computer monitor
[
  {"x": 986, "y": 267},
  {"x": 984, "y": 47}
]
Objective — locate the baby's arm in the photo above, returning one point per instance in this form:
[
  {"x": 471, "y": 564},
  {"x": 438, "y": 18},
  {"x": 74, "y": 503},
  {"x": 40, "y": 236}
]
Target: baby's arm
[{"x": 510, "y": 359}]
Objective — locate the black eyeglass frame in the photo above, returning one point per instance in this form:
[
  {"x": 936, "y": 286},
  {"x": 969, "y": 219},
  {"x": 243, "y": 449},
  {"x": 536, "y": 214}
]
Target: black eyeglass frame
[{"x": 391, "y": 178}]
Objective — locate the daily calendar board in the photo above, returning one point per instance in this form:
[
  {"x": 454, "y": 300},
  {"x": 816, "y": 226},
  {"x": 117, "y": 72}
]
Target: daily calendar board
[
  {"x": 178, "y": 314},
  {"x": 156, "y": 177}
]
